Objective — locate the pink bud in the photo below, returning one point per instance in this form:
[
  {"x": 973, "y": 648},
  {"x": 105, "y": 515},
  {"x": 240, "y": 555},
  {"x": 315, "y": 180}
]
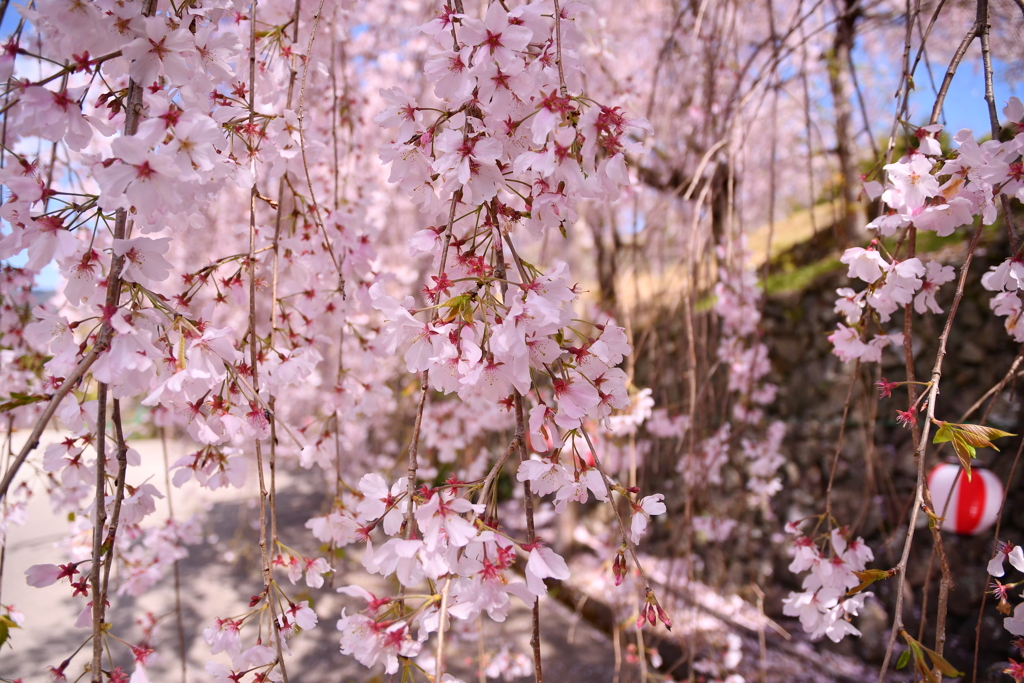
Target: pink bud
[{"x": 664, "y": 618}]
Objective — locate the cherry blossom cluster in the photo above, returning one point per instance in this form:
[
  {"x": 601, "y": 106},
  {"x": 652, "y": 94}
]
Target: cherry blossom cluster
[
  {"x": 500, "y": 161},
  {"x": 997, "y": 569},
  {"x": 824, "y": 607},
  {"x": 159, "y": 132},
  {"x": 937, "y": 193},
  {"x": 738, "y": 297},
  {"x": 1013, "y": 623},
  {"x": 506, "y": 159},
  {"x": 453, "y": 544},
  {"x": 745, "y": 357},
  {"x": 18, "y": 358}
]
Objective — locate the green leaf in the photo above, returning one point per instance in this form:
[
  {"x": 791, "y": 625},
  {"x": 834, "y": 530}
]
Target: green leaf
[
  {"x": 922, "y": 666},
  {"x": 977, "y": 436},
  {"x": 933, "y": 519},
  {"x": 917, "y": 651},
  {"x": 18, "y": 400},
  {"x": 903, "y": 660},
  {"x": 939, "y": 662},
  {"x": 6, "y": 624},
  {"x": 944, "y": 434}
]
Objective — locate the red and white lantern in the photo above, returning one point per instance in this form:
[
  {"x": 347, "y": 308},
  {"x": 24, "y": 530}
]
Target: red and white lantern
[{"x": 973, "y": 505}]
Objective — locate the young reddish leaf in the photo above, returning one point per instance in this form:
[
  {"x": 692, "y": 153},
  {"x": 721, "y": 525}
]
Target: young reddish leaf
[
  {"x": 965, "y": 452},
  {"x": 966, "y": 439},
  {"x": 980, "y": 437}
]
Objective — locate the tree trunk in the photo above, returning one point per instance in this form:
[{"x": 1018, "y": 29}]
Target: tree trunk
[{"x": 849, "y": 227}]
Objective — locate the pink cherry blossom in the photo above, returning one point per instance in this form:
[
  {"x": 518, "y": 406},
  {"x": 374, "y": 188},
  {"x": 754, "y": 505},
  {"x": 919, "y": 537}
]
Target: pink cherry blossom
[
  {"x": 544, "y": 563},
  {"x": 912, "y": 177},
  {"x": 866, "y": 264}
]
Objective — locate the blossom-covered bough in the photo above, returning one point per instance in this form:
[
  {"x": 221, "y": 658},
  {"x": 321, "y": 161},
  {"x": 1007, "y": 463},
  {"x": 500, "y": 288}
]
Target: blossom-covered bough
[
  {"x": 196, "y": 107},
  {"x": 936, "y": 191},
  {"x": 500, "y": 164},
  {"x": 275, "y": 222}
]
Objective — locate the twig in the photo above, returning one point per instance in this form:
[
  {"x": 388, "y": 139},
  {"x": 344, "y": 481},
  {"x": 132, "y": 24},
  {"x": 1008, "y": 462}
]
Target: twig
[
  {"x": 302, "y": 149},
  {"x": 990, "y": 100},
  {"x": 179, "y": 617},
  {"x": 119, "y": 484},
  {"x": 268, "y": 579},
  {"x": 414, "y": 446},
  {"x": 65, "y": 388},
  {"x": 442, "y": 628},
  {"x": 839, "y": 443},
  {"x": 933, "y": 390},
  {"x": 951, "y": 71},
  {"x": 112, "y": 301},
  {"x": 99, "y": 520},
  {"x": 275, "y": 269},
  {"x": 562, "y": 90},
  {"x": 995, "y": 542},
  {"x": 485, "y": 489},
  {"x": 531, "y": 535}
]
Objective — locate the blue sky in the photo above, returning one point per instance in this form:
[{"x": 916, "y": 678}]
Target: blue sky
[{"x": 965, "y": 102}]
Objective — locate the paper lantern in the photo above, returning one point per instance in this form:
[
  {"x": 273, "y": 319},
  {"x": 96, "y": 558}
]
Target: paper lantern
[{"x": 973, "y": 505}]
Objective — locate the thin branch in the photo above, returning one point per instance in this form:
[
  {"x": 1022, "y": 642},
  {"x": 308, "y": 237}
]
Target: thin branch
[
  {"x": 531, "y": 534},
  {"x": 951, "y": 71},
  {"x": 302, "y": 149},
  {"x": 442, "y": 627},
  {"x": 99, "y": 520},
  {"x": 933, "y": 390},
  {"x": 995, "y": 542},
  {"x": 179, "y": 616},
  {"x": 268, "y": 579},
  {"x": 562, "y": 90},
  {"x": 119, "y": 484}
]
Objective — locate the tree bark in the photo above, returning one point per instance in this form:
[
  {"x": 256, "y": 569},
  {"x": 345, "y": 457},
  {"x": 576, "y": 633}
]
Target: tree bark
[{"x": 848, "y": 229}]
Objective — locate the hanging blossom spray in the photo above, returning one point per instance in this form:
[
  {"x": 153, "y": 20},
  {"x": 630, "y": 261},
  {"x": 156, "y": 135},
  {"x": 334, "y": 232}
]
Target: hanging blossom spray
[{"x": 501, "y": 161}]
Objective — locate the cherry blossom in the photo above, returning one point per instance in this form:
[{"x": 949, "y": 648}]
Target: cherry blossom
[
  {"x": 936, "y": 275},
  {"x": 544, "y": 563},
  {"x": 642, "y": 512},
  {"x": 866, "y": 264},
  {"x": 912, "y": 178},
  {"x": 1015, "y": 554}
]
